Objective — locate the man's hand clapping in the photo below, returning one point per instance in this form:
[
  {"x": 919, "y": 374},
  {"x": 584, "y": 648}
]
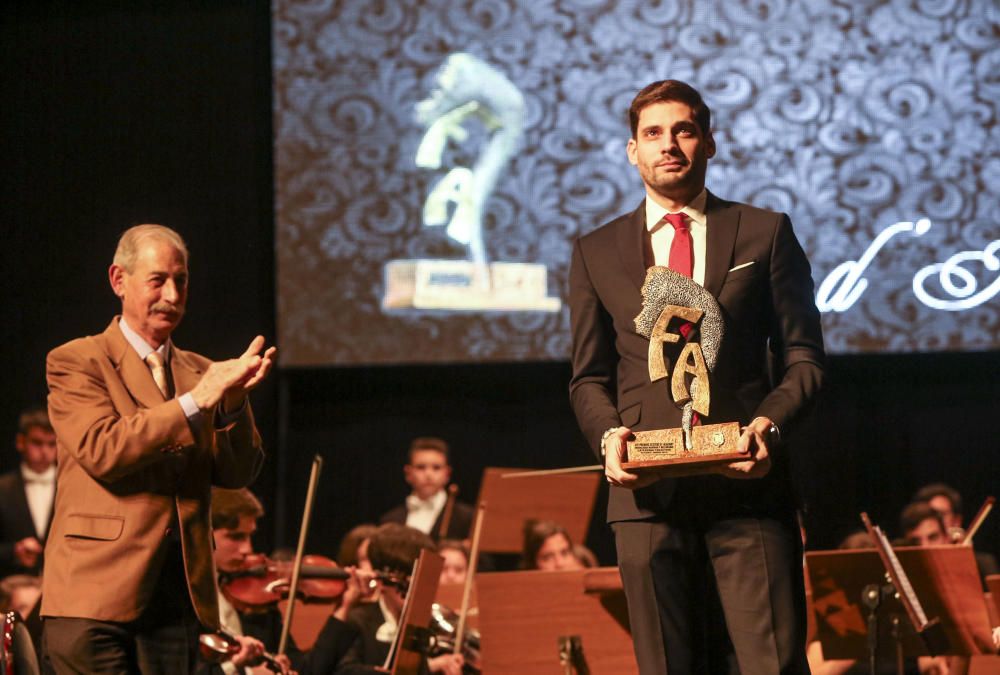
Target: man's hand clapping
[{"x": 231, "y": 380}]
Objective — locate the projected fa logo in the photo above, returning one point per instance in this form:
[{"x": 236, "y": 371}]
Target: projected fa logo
[{"x": 467, "y": 90}]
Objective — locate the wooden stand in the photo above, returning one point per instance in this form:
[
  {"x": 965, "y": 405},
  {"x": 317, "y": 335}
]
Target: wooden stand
[
  {"x": 411, "y": 642},
  {"x": 567, "y": 499},
  {"x": 525, "y": 618},
  {"x": 945, "y": 578}
]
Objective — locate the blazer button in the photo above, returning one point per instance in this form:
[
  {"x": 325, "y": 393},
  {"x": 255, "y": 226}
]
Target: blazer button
[{"x": 167, "y": 532}]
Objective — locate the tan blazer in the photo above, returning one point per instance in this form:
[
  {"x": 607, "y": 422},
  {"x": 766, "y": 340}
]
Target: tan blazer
[{"x": 129, "y": 460}]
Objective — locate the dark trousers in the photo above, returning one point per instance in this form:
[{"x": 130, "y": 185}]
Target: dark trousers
[
  {"x": 718, "y": 597},
  {"x": 163, "y": 640}
]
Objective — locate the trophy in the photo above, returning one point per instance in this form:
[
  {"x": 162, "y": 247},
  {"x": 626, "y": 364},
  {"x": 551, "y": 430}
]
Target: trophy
[
  {"x": 469, "y": 92},
  {"x": 676, "y": 308}
]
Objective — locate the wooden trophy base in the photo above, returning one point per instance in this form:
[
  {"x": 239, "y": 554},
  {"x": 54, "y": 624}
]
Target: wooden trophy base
[{"x": 664, "y": 451}]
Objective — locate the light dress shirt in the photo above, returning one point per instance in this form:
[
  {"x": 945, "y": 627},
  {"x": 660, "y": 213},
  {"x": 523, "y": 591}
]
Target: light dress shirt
[
  {"x": 387, "y": 631},
  {"x": 421, "y": 514},
  {"x": 662, "y": 233},
  {"x": 229, "y": 619},
  {"x": 144, "y": 349},
  {"x": 40, "y": 491}
]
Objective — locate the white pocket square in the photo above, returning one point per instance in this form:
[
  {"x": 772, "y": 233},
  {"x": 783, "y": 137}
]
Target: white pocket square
[{"x": 746, "y": 264}]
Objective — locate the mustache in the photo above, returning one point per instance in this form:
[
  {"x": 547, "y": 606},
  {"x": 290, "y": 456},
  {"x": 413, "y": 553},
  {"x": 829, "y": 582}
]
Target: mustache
[{"x": 167, "y": 308}]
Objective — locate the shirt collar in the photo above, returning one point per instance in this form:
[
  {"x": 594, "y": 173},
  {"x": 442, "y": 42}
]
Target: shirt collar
[
  {"x": 142, "y": 348},
  {"x": 695, "y": 211},
  {"x": 31, "y": 476},
  {"x": 435, "y": 501}
]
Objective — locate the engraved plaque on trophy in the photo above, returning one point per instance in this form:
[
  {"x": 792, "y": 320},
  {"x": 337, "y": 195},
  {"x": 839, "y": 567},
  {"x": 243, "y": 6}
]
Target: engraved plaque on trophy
[{"x": 677, "y": 312}]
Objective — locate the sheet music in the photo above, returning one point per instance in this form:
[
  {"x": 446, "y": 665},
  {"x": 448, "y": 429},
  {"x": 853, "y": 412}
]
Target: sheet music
[{"x": 901, "y": 580}]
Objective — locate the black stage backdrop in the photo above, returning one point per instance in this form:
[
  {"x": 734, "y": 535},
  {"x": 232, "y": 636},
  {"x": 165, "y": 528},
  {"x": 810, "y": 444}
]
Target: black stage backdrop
[{"x": 114, "y": 116}]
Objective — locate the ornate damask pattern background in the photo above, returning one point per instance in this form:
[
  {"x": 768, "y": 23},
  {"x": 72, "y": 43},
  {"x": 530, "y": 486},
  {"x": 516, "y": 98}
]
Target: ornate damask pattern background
[{"x": 848, "y": 115}]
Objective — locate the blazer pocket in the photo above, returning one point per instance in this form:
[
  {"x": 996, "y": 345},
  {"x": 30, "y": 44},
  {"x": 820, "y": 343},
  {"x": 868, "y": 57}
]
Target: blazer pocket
[
  {"x": 745, "y": 272},
  {"x": 630, "y": 415},
  {"x": 87, "y": 526}
]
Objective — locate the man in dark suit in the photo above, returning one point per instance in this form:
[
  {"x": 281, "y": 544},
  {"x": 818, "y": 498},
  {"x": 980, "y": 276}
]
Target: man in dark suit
[
  {"x": 27, "y": 495},
  {"x": 428, "y": 473},
  {"x": 711, "y": 564},
  {"x": 144, "y": 429}
]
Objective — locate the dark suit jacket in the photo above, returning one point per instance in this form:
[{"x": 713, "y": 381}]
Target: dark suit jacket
[
  {"x": 768, "y": 306},
  {"x": 462, "y": 517},
  {"x": 15, "y": 523},
  {"x": 132, "y": 468}
]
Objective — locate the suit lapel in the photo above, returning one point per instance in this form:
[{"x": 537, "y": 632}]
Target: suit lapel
[
  {"x": 723, "y": 225},
  {"x": 134, "y": 373},
  {"x": 630, "y": 233},
  {"x": 19, "y": 503}
]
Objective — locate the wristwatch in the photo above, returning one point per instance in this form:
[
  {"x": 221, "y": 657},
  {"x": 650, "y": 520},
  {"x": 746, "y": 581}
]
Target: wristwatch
[{"x": 604, "y": 439}]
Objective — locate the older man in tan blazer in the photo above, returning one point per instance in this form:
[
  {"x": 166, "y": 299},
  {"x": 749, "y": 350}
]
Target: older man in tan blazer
[{"x": 144, "y": 430}]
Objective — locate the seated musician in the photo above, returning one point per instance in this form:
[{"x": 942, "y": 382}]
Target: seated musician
[
  {"x": 353, "y": 553},
  {"x": 456, "y": 561},
  {"x": 428, "y": 473},
  {"x": 548, "y": 547},
  {"x": 947, "y": 501},
  {"x": 393, "y": 550},
  {"x": 234, "y": 521}
]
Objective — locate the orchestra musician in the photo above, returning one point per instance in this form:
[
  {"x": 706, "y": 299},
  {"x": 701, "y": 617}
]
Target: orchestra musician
[
  {"x": 144, "y": 429},
  {"x": 428, "y": 473},
  {"x": 27, "y": 495},
  {"x": 393, "y": 550},
  {"x": 547, "y": 547}
]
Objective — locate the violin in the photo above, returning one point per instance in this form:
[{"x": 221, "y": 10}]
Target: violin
[
  {"x": 261, "y": 582},
  {"x": 444, "y": 623},
  {"x": 221, "y": 646}
]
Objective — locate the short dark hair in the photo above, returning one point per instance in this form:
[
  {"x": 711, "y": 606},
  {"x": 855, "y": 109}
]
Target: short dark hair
[
  {"x": 347, "y": 555},
  {"x": 33, "y": 418},
  {"x": 536, "y": 532},
  {"x": 670, "y": 90},
  {"x": 395, "y": 547},
  {"x": 915, "y": 513},
  {"x": 429, "y": 443},
  {"x": 929, "y": 492},
  {"x": 228, "y": 506}
]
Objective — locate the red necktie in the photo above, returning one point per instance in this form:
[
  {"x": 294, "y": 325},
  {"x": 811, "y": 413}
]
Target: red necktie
[
  {"x": 682, "y": 261},
  {"x": 681, "y": 256}
]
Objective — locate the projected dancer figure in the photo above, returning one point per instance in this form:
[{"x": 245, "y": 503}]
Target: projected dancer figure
[
  {"x": 706, "y": 554},
  {"x": 466, "y": 87}
]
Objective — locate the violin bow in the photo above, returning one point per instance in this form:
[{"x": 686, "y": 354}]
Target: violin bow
[
  {"x": 297, "y": 565},
  {"x": 470, "y": 574},
  {"x": 554, "y": 472},
  {"x": 977, "y": 521}
]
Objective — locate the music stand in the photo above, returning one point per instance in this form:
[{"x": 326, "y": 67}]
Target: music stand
[
  {"x": 993, "y": 584},
  {"x": 411, "y": 643},
  {"x": 945, "y": 578},
  {"x": 567, "y": 499},
  {"x": 450, "y": 596},
  {"x": 527, "y": 618}
]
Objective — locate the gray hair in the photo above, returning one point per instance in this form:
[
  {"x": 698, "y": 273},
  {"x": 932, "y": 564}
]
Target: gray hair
[{"x": 133, "y": 238}]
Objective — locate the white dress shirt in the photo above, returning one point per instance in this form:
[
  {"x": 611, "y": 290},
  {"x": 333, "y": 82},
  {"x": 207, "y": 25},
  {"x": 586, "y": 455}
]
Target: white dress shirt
[
  {"x": 662, "y": 233},
  {"x": 229, "y": 620},
  {"x": 144, "y": 349},
  {"x": 40, "y": 491},
  {"x": 421, "y": 514}
]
